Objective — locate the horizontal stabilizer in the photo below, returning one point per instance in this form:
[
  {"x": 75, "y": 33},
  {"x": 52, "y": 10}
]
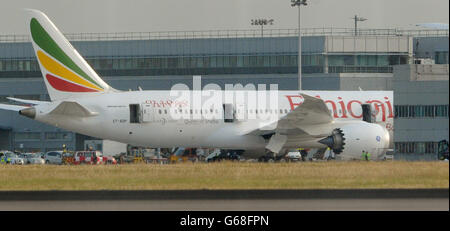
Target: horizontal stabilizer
[
  {"x": 11, "y": 107},
  {"x": 69, "y": 108},
  {"x": 27, "y": 101}
]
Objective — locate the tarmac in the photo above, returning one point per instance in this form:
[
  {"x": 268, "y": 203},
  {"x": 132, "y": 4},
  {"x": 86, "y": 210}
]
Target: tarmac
[{"x": 228, "y": 200}]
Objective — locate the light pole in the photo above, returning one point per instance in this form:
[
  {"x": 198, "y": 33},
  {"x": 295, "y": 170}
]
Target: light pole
[
  {"x": 262, "y": 23},
  {"x": 299, "y": 3},
  {"x": 358, "y": 19}
]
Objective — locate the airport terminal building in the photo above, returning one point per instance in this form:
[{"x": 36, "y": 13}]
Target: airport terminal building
[{"x": 412, "y": 63}]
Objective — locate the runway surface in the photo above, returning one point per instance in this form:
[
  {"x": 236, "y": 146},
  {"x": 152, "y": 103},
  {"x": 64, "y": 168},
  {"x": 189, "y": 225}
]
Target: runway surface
[
  {"x": 229, "y": 200},
  {"x": 233, "y": 205}
]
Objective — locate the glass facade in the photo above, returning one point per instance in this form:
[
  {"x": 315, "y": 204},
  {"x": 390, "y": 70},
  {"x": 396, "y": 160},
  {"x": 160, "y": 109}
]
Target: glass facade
[
  {"x": 227, "y": 64},
  {"x": 441, "y": 57},
  {"x": 25, "y": 136},
  {"x": 58, "y": 136},
  {"x": 416, "y": 147},
  {"x": 420, "y": 111}
]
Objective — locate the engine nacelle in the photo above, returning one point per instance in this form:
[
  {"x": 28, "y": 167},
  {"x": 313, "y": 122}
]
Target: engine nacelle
[{"x": 350, "y": 140}]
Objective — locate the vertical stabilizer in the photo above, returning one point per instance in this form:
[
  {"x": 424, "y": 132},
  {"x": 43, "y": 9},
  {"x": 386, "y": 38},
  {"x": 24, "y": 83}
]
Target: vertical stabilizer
[{"x": 66, "y": 73}]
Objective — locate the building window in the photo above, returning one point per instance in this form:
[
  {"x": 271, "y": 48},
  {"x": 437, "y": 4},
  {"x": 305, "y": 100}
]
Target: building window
[
  {"x": 394, "y": 60},
  {"x": 382, "y": 60},
  {"x": 23, "y": 136},
  {"x": 416, "y": 147},
  {"x": 420, "y": 111},
  {"x": 58, "y": 136},
  {"x": 441, "y": 57},
  {"x": 430, "y": 147}
]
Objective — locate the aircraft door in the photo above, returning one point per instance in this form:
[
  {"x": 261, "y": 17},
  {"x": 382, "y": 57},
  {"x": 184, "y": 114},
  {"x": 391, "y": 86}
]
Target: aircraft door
[
  {"x": 241, "y": 112},
  {"x": 228, "y": 113},
  {"x": 148, "y": 113},
  {"x": 135, "y": 113}
]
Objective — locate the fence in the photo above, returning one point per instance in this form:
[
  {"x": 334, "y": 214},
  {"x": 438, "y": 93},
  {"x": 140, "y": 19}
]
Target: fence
[{"x": 236, "y": 34}]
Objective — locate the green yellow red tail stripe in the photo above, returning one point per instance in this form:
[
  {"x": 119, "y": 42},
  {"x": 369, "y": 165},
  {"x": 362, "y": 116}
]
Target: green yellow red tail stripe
[
  {"x": 66, "y": 74},
  {"x": 61, "y": 85},
  {"x": 59, "y": 70}
]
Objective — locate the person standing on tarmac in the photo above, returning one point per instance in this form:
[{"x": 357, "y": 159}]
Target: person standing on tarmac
[
  {"x": 368, "y": 156},
  {"x": 363, "y": 155}
]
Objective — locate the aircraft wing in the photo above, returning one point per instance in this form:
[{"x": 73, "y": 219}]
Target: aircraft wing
[
  {"x": 70, "y": 108},
  {"x": 11, "y": 107},
  {"x": 291, "y": 128},
  {"x": 311, "y": 111},
  {"x": 27, "y": 101}
]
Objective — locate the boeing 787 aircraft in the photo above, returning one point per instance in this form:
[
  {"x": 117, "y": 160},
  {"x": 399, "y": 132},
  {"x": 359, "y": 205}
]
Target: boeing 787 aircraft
[{"x": 257, "y": 122}]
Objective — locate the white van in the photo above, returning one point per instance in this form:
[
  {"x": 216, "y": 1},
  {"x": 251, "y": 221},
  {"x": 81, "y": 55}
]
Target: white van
[{"x": 53, "y": 157}]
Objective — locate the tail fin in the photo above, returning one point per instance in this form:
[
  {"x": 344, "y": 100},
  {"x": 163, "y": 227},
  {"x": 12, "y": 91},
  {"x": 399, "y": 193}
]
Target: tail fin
[{"x": 66, "y": 73}]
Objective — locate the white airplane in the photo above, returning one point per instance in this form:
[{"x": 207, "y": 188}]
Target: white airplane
[{"x": 257, "y": 122}]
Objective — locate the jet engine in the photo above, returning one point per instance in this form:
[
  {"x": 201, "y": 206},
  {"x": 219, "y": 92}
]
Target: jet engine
[{"x": 350, "y": 140}]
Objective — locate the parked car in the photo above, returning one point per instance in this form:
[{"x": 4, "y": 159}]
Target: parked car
[
  {"x": 7, "y": 157},
  {"x": 293, "y": 156},
  {"x": 53, "y": 157},
  {"x": 32, "y": 158},
  {"x": 88, "y": 157}
]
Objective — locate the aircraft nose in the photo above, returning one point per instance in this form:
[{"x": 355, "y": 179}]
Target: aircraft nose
[{"x": 28, "y": 112}]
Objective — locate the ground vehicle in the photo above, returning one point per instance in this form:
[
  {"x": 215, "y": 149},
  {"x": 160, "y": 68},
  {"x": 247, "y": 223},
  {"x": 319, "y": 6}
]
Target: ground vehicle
[
  {"x": 107, "y": 147},
  {"x": 109, "y": 160},
  {"x": 88, "y": 157},
  {"x": 293, "y": 156},
  {"x": 389, "y": 155},
  {"x": 32, "y": 158},
  {"x": 68, "y": 158},
  {"x": 219, "y": 155},
  {"x": 183, "y": 155},
  {"x": 213, "y": 155},
  {"x": 443, "y": 150},
  {"x": 7, "y": 157},
  {"x": 137, "y": 156},
  {"x": 53, "y": 157}
]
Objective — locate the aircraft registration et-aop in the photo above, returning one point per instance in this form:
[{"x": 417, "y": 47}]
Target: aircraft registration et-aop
[{"x": 255, "y": 121}]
